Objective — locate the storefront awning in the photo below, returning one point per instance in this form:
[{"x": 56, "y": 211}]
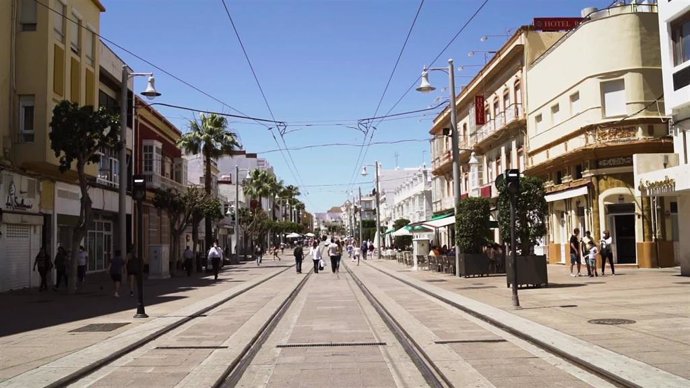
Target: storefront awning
[
  {"x": 571, "y": 193},
  {"x": 440, "y": 223}
]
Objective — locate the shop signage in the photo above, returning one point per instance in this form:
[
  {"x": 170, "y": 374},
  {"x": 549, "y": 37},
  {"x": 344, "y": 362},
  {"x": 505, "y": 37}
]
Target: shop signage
[
  {"x": 556, "y": 24},
  {"x": 19, "y": 192},
  {"x": 485, "y": 191},
  {"x": 479, "y": 110},
  {"x": 615, "y": 162}
]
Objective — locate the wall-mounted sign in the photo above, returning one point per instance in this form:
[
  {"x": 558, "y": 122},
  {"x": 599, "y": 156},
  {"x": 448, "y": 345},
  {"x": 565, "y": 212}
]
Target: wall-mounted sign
[
  {"x": 615, "y": 162},
  {"x": 20, "y": 192},
  {"x": 479, "y": 110},
  {"x": 556, "y": 24}
]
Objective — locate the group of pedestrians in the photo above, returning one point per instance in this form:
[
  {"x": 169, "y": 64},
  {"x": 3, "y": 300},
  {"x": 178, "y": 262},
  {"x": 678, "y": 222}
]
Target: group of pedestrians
[{"x": 586, "y": 249}]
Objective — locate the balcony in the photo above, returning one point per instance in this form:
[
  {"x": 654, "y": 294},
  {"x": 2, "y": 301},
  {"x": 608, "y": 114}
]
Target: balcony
[
  {"x": 503, "y": 119},
  {"x": 157, "y": 181}
]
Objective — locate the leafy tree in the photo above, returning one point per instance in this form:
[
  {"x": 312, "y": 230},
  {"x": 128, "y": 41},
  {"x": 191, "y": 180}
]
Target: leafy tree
[
  {"x": 530, "y": 214},
  {"x": 179, "y": 207},
  {"x": 210, "y": 137},
  {"x": 472, "y": 224},
  {"x": 77, "y": 135},
  {"x": 401, "y": 242}
]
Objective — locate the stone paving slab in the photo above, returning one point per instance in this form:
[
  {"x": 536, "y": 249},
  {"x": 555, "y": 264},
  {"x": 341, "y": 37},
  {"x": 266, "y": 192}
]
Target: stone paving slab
[{"x": 544, "y": 318}]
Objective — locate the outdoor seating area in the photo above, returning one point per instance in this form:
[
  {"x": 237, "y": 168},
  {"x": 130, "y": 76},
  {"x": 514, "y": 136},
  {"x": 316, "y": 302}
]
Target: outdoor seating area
[{"x": 470, "y": 265}]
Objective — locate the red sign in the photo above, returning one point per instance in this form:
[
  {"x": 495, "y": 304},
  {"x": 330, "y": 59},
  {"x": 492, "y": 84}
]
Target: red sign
[
  {"x": 479, "y": 110},
  {"x": 485, "y": 191},
  {"x": 556, "y": 24}
]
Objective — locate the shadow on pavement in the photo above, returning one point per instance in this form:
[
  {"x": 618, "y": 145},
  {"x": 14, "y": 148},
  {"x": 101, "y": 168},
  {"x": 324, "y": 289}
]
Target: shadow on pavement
[
  {"x": 566, "y": 285},
  {"x": 30, "y": 309}
]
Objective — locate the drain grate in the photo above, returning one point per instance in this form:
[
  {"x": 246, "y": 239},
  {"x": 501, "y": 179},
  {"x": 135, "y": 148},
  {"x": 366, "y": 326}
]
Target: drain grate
[
  {"x": 435, "y": 280},
  {"x": 329, "y": 344},
  {"x": 99, "y": 327},
  {"x": 191, "y": 347},
  {"x": 611, "y": 321},
  {"x": 478, "y": 341}
]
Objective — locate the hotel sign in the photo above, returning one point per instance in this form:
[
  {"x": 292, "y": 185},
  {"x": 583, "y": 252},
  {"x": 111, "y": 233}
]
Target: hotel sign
[
  {"x": 479, "y": 117},
  {"x": 556, "y": 24}
]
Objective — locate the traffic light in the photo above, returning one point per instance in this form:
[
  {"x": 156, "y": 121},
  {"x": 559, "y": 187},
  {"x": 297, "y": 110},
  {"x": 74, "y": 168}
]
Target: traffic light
[
  {"x": 138, "y": 187},
  {"x": 513, "y": 181}
]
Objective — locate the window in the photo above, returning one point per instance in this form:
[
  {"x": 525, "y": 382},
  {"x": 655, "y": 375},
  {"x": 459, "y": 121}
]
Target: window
[
  {"x": 538, "y": 123},
  {"x": 555, "y": 114},
  {"x": 497, "y": 107},
  {"x": 506, "y": 100},
  {"x": 153, "y": 157},
  {"x": 107, "y": 102},
  {"x": 89, "y": 47},
  {"x": 148, "y": 158},
  {"x": 59, "y": 20},
  {"x": 578, "y": 171},
  {"x": 680, "y": 36},
  {"x": 613, "y": 96},
  {"x": 518, "y": 93},
  {"x": 574, "y": 103},
  {"x": 26, "y": 118},
  {"x": 28, "y": 15},
  {"x": 109, "y": 167},
  {"x": 75, "y": 35}
]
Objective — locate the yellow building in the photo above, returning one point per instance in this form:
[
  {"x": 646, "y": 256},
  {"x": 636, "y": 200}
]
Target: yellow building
[{"x": 595, "y": 99}]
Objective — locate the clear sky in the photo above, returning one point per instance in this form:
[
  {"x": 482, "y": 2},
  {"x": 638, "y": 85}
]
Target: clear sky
[{"x": 323, "y": 65}]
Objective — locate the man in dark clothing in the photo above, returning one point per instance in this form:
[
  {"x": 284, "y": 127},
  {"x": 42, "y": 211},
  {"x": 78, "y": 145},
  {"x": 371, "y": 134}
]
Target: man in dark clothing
[
  {"x": 299, "y": 256},
  {"x": 61, "y": 267},
  {"x": 575, "y": 251}
]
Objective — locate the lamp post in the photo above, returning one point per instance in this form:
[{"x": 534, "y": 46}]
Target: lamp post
[
  {"x": 378, "y": 210},
  {"x": 424, "y": 87},
  {"x": 360, "y": 217},
  {"x": 237, "y": 211},
  {"x": 150, "y": 93}
]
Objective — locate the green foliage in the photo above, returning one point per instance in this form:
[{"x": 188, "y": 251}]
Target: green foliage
[
  {"x": 79, "y": 133},
  {"x": 530, "y": 214},
  {"x": 369, "y": 224},
  {"x": 401, "y": 242},
  {"x": 209, "y": 136},
  {"x": 472, "y": 224}
]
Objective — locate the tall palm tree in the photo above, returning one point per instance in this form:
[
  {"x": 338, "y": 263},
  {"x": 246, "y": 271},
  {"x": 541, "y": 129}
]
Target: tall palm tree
[
  {"x": 210, "y": 137},
  {"x": 258, "y": 186},
  {"x": 291, "y": 195},
  {"x": 277, "y": 187}
]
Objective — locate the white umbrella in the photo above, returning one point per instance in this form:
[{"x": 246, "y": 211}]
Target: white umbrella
[
  {"x": 402, "y": 232},
  {"x": 293, "y": 235},
  {"x": 310, "y": 235}
]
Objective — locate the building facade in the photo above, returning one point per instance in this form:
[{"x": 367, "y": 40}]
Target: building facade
[
  {"x": 664, "y": 178},
  {"x": 584, "y": 125},
  {"x": 412, "y": 197}
]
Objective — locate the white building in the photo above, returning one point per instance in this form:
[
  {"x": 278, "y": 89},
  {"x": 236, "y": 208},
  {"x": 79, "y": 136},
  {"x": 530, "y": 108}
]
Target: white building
[
  {"x": 665, "y": 178},
  {"x": 412, "y": 197}
]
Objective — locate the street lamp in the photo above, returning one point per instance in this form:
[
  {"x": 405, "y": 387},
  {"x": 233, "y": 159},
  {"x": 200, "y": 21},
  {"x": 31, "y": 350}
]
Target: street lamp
[
  {"x": 237, "y": 210},
  {"x": 149, "y": 93},
  {"x": 486, "y": 53},
  {"x": 484, "y": 38},
  {"x": 378, "y": 210}
]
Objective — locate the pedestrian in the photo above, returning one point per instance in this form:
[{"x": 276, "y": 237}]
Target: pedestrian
[
  {"x": 214, "y": 256},
  {"x": 81, "y": 268},
  {"x": 575, "y": 252},
  {"x": 258, "y": 253},
  {"x": 592, "y": 257},
  {"x": 133, "y": 266},
  {"x": 364, "y": 248},
  {"x": 356, "y": 253},
  {"x": 586, "y": 239},
  {"x": 333, "y": 255},
  {"x": 316, "y": 257},
  {"x": 282, "y": 248},
  {"x": 188, "y": 256},
  {"x": 299, "y": 256},
  {"x": 275, "y": 253},
  {"x": 44, "y": 266},
  {"x": 60, "y": 267},
  {"x": 350, "y": 250},
  {"x": 606, "y": 252},
  {"x": 115, "y": 270}
]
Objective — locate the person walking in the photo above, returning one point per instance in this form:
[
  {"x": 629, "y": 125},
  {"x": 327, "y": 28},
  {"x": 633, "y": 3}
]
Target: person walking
[
  {"x": 115, "y": 270},
  {"x": 188, "y": 256},
  {"x": 81, "y": 267},
  {"x": 575, "y": 252},
  {"x": 258, "y": 253},
  {"x": 592, "y": 257},
  {"x": 586, "y": 240},
  {"x": 60, "y": 267},
  {"x": 316, "y": 257},
  {"x": 364, "y": 248},
  {"x": 299, "y": 256},
  {"x": 132, "y": 266},
  {"x": 356, "y": 253},
  {"x": 214, "y": 257},
  {"x": 44, "y": 266},
  {"x": 606, "y": 253},
  {"x": 333, "y": 255},
  {"x": 275, "y": 253}
]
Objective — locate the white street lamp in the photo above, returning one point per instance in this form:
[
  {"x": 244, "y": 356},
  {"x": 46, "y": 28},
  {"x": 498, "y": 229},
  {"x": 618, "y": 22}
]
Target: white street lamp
[{"x": 378, "y": 212}]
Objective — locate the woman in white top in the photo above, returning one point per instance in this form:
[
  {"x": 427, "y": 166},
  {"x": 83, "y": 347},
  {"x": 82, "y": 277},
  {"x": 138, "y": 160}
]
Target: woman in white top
[{"x": 315, "y": 253}]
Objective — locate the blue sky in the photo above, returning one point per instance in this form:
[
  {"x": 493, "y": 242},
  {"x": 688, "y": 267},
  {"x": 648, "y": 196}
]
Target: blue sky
[{"x": 320, "y": 63}]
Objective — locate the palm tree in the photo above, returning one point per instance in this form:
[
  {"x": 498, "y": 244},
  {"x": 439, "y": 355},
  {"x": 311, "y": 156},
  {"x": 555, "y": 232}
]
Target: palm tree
[
  {"x": 257, "y": 186},
  {"x": 210, "y": 137},
  {"x": 292, "y": 192}
]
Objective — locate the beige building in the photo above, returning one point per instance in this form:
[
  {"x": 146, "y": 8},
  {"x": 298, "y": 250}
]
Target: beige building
[
  {"x": 493, "y": 138},
  {"x": 595, "y": 99}
]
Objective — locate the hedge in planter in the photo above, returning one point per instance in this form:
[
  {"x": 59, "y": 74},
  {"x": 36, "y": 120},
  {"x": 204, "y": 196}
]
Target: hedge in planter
[
  {"x": 472, "y": 224},
  {"x": 530, "y": 214}
]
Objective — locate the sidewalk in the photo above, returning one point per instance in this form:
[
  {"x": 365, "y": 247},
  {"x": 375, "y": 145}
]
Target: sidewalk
[
  {"x": 39, "y": 327},
  {"x": 656, "y": 300}
]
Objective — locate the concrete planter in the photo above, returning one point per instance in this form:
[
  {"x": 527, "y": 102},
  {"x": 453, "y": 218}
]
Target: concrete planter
[
  {"x": 473, "y": 264},
  {"x": 531, "y": 271}
]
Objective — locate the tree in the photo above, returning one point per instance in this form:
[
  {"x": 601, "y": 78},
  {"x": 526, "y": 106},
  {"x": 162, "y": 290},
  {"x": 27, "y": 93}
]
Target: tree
[
  {"x": 210, "y": 137},
  {"x": 472, "y": 224},
  {"x": 401, "y": 242},
  {"x": 77, "y": 135},
  {"x": 179, "y": 207},
  {"x": 530, "y": 214}
]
